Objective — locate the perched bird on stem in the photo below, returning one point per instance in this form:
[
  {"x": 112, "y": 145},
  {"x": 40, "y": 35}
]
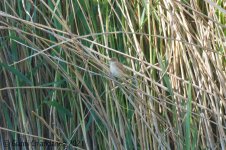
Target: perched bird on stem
[{"x": 117, "y": 69}]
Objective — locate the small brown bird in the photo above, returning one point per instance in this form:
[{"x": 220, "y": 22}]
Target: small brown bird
[{"x": 117, "y": 69}]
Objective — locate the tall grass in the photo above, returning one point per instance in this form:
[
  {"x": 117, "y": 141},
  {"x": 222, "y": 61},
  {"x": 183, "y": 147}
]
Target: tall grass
[{"x": 56, "y": 89}]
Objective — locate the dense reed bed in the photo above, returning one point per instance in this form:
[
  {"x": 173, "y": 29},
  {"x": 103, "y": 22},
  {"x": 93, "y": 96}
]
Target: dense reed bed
[{"x": 56, "y": 90}]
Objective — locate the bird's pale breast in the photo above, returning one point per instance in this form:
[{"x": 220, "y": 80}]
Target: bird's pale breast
[{"x": 115, "y": 71}]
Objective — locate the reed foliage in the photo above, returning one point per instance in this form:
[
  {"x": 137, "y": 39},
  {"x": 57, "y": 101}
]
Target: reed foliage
[{"x": 55, "y": 85}]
